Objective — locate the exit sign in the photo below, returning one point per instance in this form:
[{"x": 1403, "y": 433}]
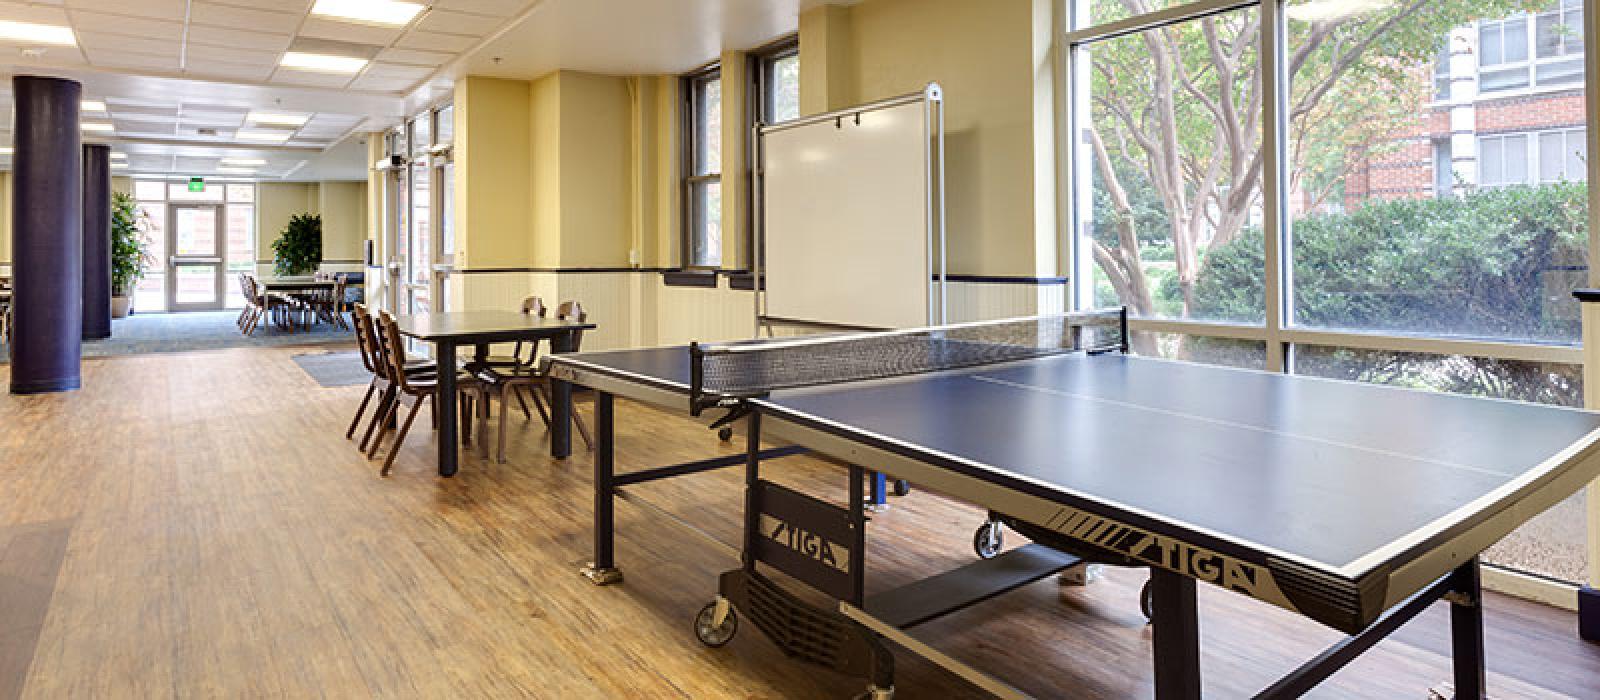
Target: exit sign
[{"x": 197, "y": 184}]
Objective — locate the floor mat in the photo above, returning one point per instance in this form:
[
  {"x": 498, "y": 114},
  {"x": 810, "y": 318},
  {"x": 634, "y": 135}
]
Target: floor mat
[
  {"x": 334, "y": 369},
  {"x": 199, "y": 330}
]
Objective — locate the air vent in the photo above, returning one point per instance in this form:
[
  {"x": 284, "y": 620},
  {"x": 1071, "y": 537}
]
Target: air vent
[{"x": 207, "y": 131}]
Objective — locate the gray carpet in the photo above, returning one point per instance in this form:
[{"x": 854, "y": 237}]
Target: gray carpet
[
  {"x": 199, "y": 330},
  {"x": 334, "y": 369}
]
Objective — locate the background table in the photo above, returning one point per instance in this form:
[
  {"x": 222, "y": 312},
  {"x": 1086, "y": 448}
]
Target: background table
[{"x": 449, "y": 330}]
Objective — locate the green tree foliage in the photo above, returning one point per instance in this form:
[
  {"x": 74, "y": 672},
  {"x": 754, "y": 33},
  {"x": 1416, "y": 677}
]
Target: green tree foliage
[
  {"x": 1492, "y": 264},
  {"x": 298, "y": 250}
]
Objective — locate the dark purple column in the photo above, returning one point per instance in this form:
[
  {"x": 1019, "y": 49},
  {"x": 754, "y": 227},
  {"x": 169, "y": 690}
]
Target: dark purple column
[
  {"x": 46, "y": 235},
  {"x": 96, "y": 241}
]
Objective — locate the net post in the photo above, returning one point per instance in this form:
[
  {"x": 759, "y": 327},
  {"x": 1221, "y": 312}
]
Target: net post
[
  {"x": 696, "y": 378},
  {"x": 1122, "y": 320}
]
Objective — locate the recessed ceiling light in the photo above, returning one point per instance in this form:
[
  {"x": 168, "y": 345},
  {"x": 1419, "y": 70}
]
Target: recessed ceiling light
[
  {"x": 118, "y": 166},
  {"x": 277, "y": 119},
  {"x": 237, "y": 171},
  {"x": 322, "y": 62},
  {"x": 96, "y": 126},
  {"x": 93, "y": 106},
  {"x": 262, "y": 135},
  {"x": 30, "y": 33},
  {"x": 390, "y": 12},
  {"x": 7, "y": 150},
  {"x": 244, "y": 161},
  {"x": 118, "y": 155}
]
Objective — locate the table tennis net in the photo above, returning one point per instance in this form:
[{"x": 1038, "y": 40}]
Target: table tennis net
[{"x": 722, "y": 373}]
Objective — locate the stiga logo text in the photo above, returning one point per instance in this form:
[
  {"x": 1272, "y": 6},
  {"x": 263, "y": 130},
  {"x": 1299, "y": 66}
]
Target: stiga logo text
[
  {"x": 1168, "y": 553},
  {"x": 808, "y": 544}
]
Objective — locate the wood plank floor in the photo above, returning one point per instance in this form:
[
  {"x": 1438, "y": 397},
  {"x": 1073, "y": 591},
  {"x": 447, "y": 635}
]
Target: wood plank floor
[{"x": 196, "y": 525}]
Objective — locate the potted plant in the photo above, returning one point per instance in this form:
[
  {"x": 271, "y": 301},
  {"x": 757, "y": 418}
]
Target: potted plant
[
  {"x": 298, "y": 250},
  {"x": 130, "y": 251}
]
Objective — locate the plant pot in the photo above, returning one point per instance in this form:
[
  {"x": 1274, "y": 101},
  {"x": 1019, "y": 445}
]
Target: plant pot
[{"x": 121, "y": 307}]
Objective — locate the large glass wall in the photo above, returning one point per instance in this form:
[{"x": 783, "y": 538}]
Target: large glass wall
[{"x": 1388, "y": 192}]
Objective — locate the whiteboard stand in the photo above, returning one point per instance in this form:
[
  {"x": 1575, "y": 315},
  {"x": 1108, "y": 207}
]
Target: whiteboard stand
[{"x": 864, "y": 181}]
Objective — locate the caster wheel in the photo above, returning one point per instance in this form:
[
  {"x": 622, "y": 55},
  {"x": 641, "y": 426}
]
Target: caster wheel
[
  {"x": 711, "y": 634},
  {"x": 725, "y": 434},
  {"x": 988, "y": 540},
  {"x": 901, "y": 487},
  {"x": 1147, "y": 602}
]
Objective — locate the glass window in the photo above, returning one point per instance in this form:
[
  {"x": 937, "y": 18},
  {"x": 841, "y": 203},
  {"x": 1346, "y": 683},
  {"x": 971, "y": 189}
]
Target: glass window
[
  {"x": 703, "y": 185},
  {"x": 778, "y": 84},
  {"x": 149, "y": 190},
  {"x": 241, "y": 193},
  {"x": 1372, "y": 248},
  {"x": 1230, "y": 352},
  {"x": 1441, "y": 72},
  {"x": 1549, "y": 42},
  {"x": 241, "y": 225},
  {"x": 1551, "y": 544},
  {"x": 179, "y": 192},
  {"x": 1444, "y": 168},
  {"x": 1175, "y": 171},
  {"x": 446, "y": 131}
]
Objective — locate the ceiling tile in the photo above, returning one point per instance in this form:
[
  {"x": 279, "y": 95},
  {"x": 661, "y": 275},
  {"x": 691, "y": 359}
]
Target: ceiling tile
[
  {"x": 225, "y": 69},
  {"x": 393, "y": 70},
  {"x": 346, "y": 31},
  {"x": 127, "y": 26},
  {"x": 414, "y": 57},
  {"x": 429, "y": 41},
  {"x": 246, "y": 18},
  {"x": 501, "y": 8},
  {"x": 298, "y": 77},
  {"x": 124, "y": 105},
  {"x": 95, "y": 42},
  {"x": 125, "y": 127},
  {"x": 200, "y": 53},
  {"x": 124, "y": 59},
  {"x": 459, "y": 23},
  {"x": 51, "y": 56},
  {"x": 33, "y": 12},
  {"x": 238, "y": 38},
  {"x": 160, "y": 9},
  {"x": 382, "y": 84}
]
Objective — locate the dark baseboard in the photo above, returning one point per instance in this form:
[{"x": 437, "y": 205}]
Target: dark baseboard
[
  {"x": 1589, "y": 613},
  {"x": 47, "y": 386}
]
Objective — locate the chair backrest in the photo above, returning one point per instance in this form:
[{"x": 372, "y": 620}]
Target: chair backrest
[
  {"x": 535, "y": 306},
  {"x": 573, "y": 311},
  {"x": 361, "y": 323},
  {"x": 337, "y": 296},
  {"x": 394, "y": 349}
]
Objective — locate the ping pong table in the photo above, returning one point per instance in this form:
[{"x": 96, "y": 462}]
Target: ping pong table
[{"x": 1354, "y": 505}]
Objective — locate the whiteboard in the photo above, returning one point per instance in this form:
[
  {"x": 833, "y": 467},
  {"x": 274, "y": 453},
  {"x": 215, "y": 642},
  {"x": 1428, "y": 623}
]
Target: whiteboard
[{"x": 846, "y": 213}]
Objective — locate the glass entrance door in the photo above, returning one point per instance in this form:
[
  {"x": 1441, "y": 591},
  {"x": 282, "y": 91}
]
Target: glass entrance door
[{"x": 197, "y": 252}]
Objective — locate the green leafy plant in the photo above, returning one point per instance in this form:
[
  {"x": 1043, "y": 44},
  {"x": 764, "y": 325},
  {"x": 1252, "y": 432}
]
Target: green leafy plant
[
  {"x": 130, "y": 244},
  {"x": 298, "y": 250}
]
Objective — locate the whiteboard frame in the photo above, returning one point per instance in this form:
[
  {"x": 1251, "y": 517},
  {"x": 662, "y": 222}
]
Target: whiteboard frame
[{"x": 932, "y": 98}]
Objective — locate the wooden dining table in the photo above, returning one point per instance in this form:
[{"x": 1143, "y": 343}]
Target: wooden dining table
[{"x": 450, "y": 330}]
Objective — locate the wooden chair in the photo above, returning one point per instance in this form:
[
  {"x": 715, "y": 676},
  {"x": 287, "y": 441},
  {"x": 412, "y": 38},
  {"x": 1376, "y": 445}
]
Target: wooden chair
[
  {"x": 328, "y": 304},
  {"x": 417, "y": 389},
  {"x": 256, "y": 304},
  {"x": 525, "y": 378},
  {"x": 375, "y": 359}
]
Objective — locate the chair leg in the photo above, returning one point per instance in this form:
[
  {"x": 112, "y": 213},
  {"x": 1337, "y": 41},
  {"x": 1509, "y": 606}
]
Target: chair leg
[
  {"x": 384, "y": 399},
  {"x": 395, "y": 400},
  {"x": 400, "y": 439},
  {"x": 503, "y": 414},
  {"x": 583, "y": 430},
  {"x": 433, "y": 412},
  {"x": 524, "y": 404},
  {"x": 482, "y": 417},
  {"x": 538, "y": 403},
  {"x": 372, "y": 387}
]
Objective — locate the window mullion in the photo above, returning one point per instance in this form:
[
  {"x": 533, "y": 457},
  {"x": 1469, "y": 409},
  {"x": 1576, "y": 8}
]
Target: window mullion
[{"x": 1275, "y": 225}]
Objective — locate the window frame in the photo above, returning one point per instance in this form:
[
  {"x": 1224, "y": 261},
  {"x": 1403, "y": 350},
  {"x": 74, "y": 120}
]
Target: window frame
[
  {"x": 1532, "y": 153},
  {"x": 1075, "y": 32},
  {"x": 693, "y": 180},
  {"x": 757, "y": 106},
  {"x": 1533, "y": 64}
]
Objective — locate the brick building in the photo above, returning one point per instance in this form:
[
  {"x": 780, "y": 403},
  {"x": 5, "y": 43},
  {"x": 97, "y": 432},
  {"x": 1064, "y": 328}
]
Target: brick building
[{"x": 1507, "y": 108}]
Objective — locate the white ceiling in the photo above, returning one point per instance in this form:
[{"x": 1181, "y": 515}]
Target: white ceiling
[{"x": 179, "y": 76}]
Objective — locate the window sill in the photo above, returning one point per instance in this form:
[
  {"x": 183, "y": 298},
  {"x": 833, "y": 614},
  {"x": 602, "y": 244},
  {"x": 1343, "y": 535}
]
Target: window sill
[{"x": 690, "y": 278}]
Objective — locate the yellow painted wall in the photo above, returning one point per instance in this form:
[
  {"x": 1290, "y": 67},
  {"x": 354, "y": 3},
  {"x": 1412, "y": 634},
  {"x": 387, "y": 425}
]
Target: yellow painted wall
[
  {"x": 276, "y": 203},
  {"x": 983, "y": 54},
  {"x": 344, "y": 220},
  {"x": 542, "y": 207},
  {"x": 494, "y": 167},
  {"x": 595, "y": 112}
]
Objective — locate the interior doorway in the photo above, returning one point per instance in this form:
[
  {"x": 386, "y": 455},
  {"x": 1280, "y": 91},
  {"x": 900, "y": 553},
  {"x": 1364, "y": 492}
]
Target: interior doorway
[{"x": 195, "y": 268}]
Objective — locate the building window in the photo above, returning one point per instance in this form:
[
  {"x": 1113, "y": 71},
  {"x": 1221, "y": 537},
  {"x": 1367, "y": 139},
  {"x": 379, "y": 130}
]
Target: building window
[
  {"x": 1444, "y": 175},
  {"x": 1534, "y": 158},
  {"x": 1556, "y": 35},
  {"x": 703, "y": 172},
  {"x": 777, "y": 82},
  {"x": 1441, "y": 72}
]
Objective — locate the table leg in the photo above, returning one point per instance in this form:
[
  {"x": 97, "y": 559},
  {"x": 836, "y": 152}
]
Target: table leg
[
  {"x": 445, "y": 403},
  {"x": 1466, "y": 631},
  {"x": 603, "y": 570},
  {"x": 560, "y": 405},
  {"x": 1176, "y": 623}
]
